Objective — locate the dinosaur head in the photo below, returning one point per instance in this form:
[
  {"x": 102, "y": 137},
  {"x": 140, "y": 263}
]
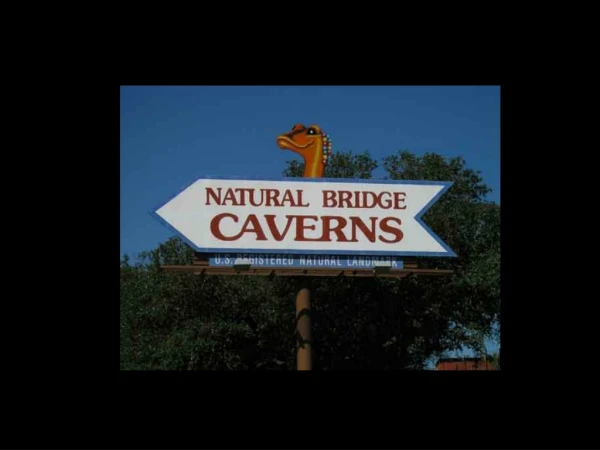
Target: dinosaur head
[{"x": 309, "y": 142}]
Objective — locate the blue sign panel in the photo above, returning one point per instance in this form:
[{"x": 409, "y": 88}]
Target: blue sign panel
[{"x": 304, "y": 261}]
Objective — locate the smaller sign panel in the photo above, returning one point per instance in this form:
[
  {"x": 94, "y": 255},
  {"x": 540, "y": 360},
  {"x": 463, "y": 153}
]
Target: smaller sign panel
[{"x": 304, "y": 261}]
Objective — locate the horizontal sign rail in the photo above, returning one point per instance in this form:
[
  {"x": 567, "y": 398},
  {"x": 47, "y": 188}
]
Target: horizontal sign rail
[{"x": 394, "y": 273}]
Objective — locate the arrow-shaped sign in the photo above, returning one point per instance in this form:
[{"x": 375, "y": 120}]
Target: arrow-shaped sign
[{"x": 306, "y": 216}]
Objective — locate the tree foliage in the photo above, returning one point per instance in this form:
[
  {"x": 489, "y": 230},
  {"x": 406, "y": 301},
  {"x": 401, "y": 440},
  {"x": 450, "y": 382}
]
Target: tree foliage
[{"x": 185, "y": 321}]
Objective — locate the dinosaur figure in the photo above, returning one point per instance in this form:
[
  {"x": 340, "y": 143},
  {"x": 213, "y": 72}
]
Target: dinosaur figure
[
  {"x": 315, "y": 148},
  {"x": 312, "y": 144}
]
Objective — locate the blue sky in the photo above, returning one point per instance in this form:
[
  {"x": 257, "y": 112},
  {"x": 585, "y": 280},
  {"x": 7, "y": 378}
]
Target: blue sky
[{"x": 172, "y": 135}]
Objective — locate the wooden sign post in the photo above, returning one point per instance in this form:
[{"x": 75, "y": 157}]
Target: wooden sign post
[
  {"x": 303, "y": 331},
  {"x": 306, "y": 227}
]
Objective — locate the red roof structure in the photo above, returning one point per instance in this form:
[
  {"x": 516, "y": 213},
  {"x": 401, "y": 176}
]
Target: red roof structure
[{"x": 463, "y": 364}]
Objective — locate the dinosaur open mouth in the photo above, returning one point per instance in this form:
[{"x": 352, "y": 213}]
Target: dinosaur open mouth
[{"x": 286, "y": 142}]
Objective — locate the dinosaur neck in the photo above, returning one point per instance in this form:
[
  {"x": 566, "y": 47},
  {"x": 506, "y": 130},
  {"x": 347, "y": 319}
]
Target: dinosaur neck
[{"x": 313, "y": 163}]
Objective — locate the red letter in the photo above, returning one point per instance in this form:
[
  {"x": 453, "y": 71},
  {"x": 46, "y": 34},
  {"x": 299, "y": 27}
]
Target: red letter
[
  {"x": 373, "y": 199},
  {"x": 287, "y": 197},
  {"x": 358, "y": 223},
  {"x": 386, "y": 205},
  {"x": 230, "y": 195},
  {"x": 273, "y": 227},
  {"x": 345, "y": 197},
  {"x": 211, "y": 193},
  {"x": 398, "y": 199},
  {"x": 397, "y": 232},
  {"x": 214, "y": 227},
  {"x": 252, "y": 202},
  {"x": 329, "y": 196},
  {"x": 272, "y": 196},
  {"x": 300, "y": 226},
  {"x": 327, "y": 229},
  {"x": 242, "y": 197},
  {"x": 300, "y": 199},
  {"x": 252, "y": 220}
]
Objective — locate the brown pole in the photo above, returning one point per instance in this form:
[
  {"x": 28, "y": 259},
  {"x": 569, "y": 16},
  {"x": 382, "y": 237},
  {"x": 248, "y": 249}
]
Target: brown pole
[{"x": 303, "y": 355}]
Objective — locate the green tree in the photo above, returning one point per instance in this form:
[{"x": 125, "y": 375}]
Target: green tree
[
  {"x": 494, "y": 359},
  {"x": 383, "y": 323},
  {"x": 174, "y": 321},
  {"x": 469, "y": 302},
  {"x": 340, "y": 165}
]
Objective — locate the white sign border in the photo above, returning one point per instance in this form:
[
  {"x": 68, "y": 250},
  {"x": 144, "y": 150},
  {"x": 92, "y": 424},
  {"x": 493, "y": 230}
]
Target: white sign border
[{"x": 418, "y": 217}]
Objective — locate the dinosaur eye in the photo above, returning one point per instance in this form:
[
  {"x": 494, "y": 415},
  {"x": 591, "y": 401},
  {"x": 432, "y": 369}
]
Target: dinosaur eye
[{"x": 312, "y": 131}]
